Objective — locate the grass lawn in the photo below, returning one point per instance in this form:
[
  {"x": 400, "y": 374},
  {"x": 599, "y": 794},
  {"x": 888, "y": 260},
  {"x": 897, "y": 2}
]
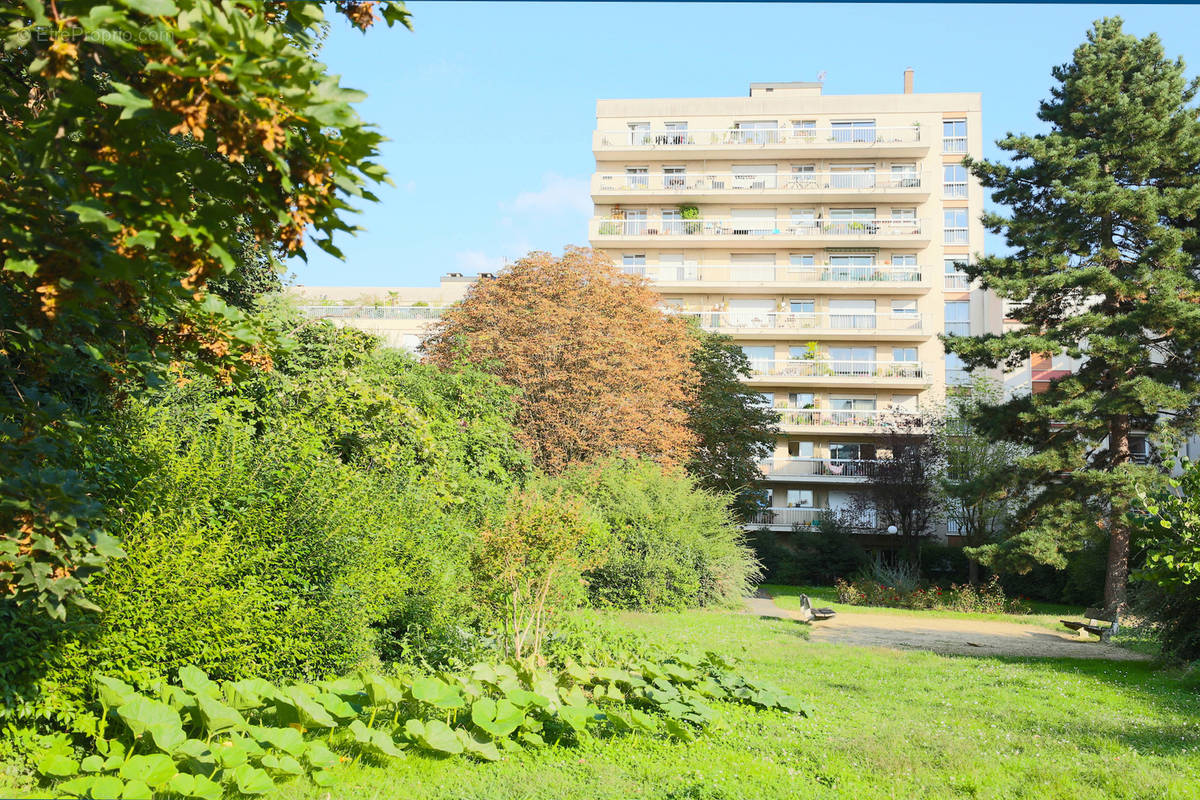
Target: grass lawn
[
  {"x": 1045, "y": 615},
  {"x": 887, "y": 725}
]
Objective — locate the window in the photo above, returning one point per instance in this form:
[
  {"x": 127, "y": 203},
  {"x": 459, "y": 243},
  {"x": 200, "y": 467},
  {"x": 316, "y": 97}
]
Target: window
[
  {"x": 753, "y": 221},
  {"x": 677, "y": 133},
  {"x": 804, "y": 176},
  {"x": 954, "y": 180},
  {"x": 767, "y": 399},
  {"x": 639, "y": 133},
  {"x": 853, "y": 314},
  {"x": 956, "y": 371},
  {"x": 802, "y": 400},
  {"x": 956, "y": 225},
  {"x": 852, "y": 403},
  {"x": 852, "y": 220},
  {"x": 799, "y": 498},
  {"x": 954, "y": 136},
  {"x": 904, "y": 402},
  {"x": 904, "y": 176},
  {"x": 801, "y": 259},
  {"x": 802, "y": 306},
  {"x": 904, "y": 308},
  {"x": 907, "y": 355},
  {"x": 851, "y": 176},
  {"x": 804, "y": 219},
  {"x": 754, "y": 176},
  {"x": 955, "y": 279},
  {"x": 1139, "y": 449},
  {"x": 672, "y": 221},
  {"x": 633, "y": 263},
  {"x": 635, "y": 222},
  {"x": 854, "y": 131},
  {"x": 637, "y": 177},
  {"x": 855, "y": 267},
  {"x": 800, "y": 352},
  {"x": 760, "y": 359},
  {"x": 851, "y": 451},
  {"x": 753, "y": 267},
  {"x": 853, "y": 360},
  {"x": 904, "y": 259},
  {"x": 756, "y": 132},
  {"x": 797, "y": 449},
  {"x": 673, "y": 267},
  {"x": 805, "y": 129},
  {"x": 958, "y": 318},
  {"x": 674, "y": 177}
]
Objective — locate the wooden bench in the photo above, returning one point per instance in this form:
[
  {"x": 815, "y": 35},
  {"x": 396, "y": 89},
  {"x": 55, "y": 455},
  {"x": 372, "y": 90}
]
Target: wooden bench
[{"x": 1097, "y": 621}]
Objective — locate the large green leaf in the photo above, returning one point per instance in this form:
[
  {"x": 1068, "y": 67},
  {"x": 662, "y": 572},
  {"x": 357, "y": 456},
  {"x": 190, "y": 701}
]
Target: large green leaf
[
  {"x": 196, "y": 681},
  {"x": 113, "y": 692},
  {"x": 107, "y": 787},
  {"x": 295, "y": 705},
  {"x": 252, "y": 780},
  {"x": 217, "y": 716},
  {"x": 155, "y": 718},
  {"x": 137, "y": 790},
  {"x": 248, "y": 693},
  {"x": 484, "y": 749},
  {"x": 57, "y": 765},
  {"x": 577, "y": 717},
  {"x": 289, "y": 740},
  {"x": 434, "y": 735},
  {"x": 337, "y": 707},
  {"x": 153, "y": 770},
  {"x": 380, "y": 691},
  {"x": 375, "y": 741},
  {"x": 77, "y": 787},
  {"x": 496, "y": 718},
  {"x": 438, "y": 693},
  {"x": 284, "y": 764},
  {"x": 320, "y": 756}
]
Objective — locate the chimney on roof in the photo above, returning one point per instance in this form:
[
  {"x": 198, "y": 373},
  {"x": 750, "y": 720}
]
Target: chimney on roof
[{"x": 908, "y": 78}]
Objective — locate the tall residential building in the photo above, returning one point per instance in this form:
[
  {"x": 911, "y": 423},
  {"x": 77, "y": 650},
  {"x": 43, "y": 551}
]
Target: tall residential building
[{"x": 822, "y": 232}]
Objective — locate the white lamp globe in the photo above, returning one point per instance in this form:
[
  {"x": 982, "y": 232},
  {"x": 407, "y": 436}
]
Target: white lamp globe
[{"x": 892, "y": 529}]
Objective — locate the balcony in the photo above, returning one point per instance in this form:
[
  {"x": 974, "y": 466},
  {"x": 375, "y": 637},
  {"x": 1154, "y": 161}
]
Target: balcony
[
  {"x": 773, "y": 324},
  {"x": 842, "y": 373},
  {"x": 956, "y": 282},
  {"x": 753, "y": 278},
  {"x": 722, "y": 232},
  {"x": 786, "y": 518},
  {"x": 750, "y": 187},
  {"x": 819, "y": 469},
  {"x": 817, "y": 420},
  {"x": 712, "y": 142},
  {"x": 373, "y": 312}
]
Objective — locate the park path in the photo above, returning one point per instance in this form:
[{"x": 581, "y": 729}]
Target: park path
[{"x": 947, "y": 636}]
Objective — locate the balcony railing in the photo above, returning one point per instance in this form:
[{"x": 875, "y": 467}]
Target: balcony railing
[
  {"x": 805, "y": 368},
  {"x": 819, "y": 468},
  {"x": 374, "y": 312},
  {"x": 764, "y": 226},
  {"x": 786, "y": 320},
  {"x": 958, "y": 281},
  {"x": 806, "y": 517},
  {"x": 748, "y": 182},
  {"x": 954, "y": 144},
  {"x": 759, "y": 137},
  {"x": 819, "y": 273},
  {"x": 956, "y": 236},
  {"x": 844, "y": 418}
]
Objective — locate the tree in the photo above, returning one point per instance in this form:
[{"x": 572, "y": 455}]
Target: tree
[
  {"x": 974, "y": 487},
  {"x": 901, "y": 489},
  {"x": 1103, "y": 270},
  {"x": 602, "y": 371},
  {"x": 142, "y": 147},
  {"x": 734, "y": 430}
]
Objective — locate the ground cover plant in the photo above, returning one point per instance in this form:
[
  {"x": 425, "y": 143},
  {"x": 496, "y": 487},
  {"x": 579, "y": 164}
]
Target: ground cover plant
[
  {"x": 985, "y": 598},
  {"x": 203, "y": 739}
]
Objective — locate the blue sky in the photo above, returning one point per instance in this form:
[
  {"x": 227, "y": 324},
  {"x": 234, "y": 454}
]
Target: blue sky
[{"x": 489, "y": 107}]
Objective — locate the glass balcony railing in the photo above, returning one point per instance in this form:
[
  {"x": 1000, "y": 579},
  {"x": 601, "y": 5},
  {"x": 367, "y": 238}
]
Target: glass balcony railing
[
  {"x": 761, "y": 227},
  {"x": 759, "y": 136}
]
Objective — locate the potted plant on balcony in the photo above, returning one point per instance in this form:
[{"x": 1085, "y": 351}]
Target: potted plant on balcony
[{"x": 691, "y": 217}]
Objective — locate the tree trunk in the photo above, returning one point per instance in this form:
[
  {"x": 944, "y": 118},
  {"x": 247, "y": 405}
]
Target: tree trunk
[
  {"x": 972, "y": 572},
  {"x": 1116, "y": 573}
]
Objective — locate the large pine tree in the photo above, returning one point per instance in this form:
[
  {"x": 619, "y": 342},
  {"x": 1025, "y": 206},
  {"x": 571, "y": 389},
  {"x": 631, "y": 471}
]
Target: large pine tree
[{"x": 1103, "y": 231}]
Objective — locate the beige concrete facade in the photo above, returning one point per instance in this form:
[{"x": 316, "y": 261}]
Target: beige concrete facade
[{"x": 816, "y": 230}]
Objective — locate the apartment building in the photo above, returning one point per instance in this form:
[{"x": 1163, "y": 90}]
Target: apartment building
[{"x": 824, "y": 233}]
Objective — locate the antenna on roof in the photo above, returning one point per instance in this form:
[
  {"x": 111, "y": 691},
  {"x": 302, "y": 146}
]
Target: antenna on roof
[{"x": 820, "y": 76}]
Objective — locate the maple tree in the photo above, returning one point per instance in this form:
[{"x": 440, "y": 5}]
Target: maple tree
[{"x": 601, "y": 369}]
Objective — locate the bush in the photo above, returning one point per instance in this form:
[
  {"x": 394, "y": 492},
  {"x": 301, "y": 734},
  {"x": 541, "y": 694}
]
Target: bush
[
  {"x": 1167, "y": 530},
  {"x": 673, "y": 546},
  {"x": 298, "y": 525},
  {"x": 808, "y": 556},
  {"x": 988, "y": 598}
]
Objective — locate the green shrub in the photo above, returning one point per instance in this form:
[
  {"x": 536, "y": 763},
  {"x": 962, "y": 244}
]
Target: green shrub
[
  {"x": 808, "y": 556},
  {"x": 295, "y": 526},
  {"x": 900, "y": 590},
  {"x": 672, "y": 545}
]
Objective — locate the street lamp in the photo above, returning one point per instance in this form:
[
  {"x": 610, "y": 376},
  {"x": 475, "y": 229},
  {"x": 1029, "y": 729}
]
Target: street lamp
[{"x": 892, "y": 529}]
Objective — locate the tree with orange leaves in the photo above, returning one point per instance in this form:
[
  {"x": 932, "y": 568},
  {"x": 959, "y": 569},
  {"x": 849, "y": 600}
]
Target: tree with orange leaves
[
  {"x": 145, "y": 148},
  {"x": 601, "y": 368}
]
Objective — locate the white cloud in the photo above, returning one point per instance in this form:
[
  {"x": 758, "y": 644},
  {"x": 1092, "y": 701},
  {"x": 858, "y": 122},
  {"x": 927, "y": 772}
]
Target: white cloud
[{"x": 558, "y": 195}]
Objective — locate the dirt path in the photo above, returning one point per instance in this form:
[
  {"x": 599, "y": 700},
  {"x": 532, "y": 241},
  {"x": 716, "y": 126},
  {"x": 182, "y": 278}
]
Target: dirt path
[{"x": 949, "y": 636}]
